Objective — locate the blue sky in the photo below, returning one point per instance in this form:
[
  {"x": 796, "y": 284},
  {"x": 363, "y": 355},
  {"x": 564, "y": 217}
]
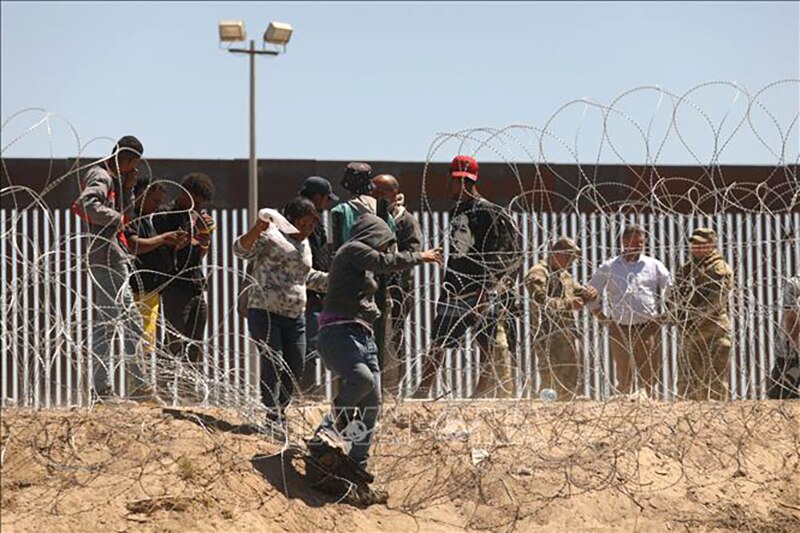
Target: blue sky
[{"x": 378, "y": 81}]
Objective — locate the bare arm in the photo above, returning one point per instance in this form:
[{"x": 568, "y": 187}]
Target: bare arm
[{"x": 143, "y": 245}]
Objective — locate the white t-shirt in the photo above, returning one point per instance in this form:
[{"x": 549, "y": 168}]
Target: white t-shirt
[{"x": 631, "y": 290}]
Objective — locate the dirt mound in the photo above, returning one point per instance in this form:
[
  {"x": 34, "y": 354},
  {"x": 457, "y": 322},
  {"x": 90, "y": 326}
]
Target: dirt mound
[{"x": 496, "y": 466}]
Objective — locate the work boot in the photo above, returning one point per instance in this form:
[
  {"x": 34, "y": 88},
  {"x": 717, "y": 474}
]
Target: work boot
[{"x": 362, "y": 495}]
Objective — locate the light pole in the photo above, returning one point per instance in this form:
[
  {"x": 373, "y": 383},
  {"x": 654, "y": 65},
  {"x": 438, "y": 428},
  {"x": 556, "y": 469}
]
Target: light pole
[{"x": 278, "y": 33}]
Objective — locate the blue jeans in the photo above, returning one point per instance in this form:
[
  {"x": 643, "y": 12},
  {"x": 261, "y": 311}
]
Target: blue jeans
[
  {"x": 350, "y": 351},
  {"x": 282, "y": 343},
  {"x": 114, "y": 306},
  {"x": 309, "y": 379}
]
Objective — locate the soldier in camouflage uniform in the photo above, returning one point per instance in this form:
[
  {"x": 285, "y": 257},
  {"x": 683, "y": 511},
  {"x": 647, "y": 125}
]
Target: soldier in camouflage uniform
[
  {"x": 555, "y": 297},
  {"x": 699, "y": 305}
]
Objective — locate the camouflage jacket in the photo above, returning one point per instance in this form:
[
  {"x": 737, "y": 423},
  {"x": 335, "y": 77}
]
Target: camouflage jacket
[
  {"x": 551, "y": 292},
  {"x": 699, "y": 296}
]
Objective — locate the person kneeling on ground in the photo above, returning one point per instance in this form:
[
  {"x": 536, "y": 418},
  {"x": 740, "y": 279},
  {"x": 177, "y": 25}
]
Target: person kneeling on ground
[{"x": 346, "y": 339}]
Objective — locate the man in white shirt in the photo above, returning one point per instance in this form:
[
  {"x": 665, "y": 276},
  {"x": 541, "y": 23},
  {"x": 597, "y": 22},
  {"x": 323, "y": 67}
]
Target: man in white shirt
[{"x": 632, "y": 286}]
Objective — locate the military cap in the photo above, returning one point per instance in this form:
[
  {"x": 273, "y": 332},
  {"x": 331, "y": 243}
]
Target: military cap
[
  {"x": 565, "y": 245},
  {"x": 703, "y": 236}
]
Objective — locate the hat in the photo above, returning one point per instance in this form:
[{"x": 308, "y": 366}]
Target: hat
[
  {"x": 464, "y": 166},
  {"x": 703, "y": 236},
  {"x": 565, "y": 245},
  {"x": 357, "y": 178},
  {"x": 317, "y": 185}
]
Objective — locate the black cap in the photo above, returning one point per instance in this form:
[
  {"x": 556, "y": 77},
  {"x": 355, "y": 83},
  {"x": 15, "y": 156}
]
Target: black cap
[
  {"x": 317, "y": 185},
  {"x": 358, "y": 178}
]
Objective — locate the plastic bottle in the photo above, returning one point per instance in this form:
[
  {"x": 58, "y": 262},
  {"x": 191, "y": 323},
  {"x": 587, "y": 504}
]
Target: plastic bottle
[{"x": 547, "y": 395}]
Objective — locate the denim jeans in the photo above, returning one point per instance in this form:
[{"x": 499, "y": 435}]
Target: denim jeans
[
  {"x": 186, "y": 312},
  {"x": 309, "y": 379},
  {"x": 350, "y": 351},
  {"x": 282, "y": 344},
  {"x": 114, "y": 306}
]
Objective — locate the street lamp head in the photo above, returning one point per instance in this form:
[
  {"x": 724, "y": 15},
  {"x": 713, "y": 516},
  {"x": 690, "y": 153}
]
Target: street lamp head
[
  {"x": 278, "y": 33},
  {"x": 231, "y": 31}
]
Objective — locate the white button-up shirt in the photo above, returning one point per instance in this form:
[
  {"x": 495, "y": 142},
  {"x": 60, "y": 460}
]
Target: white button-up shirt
[{"x": 631, "y": 290}]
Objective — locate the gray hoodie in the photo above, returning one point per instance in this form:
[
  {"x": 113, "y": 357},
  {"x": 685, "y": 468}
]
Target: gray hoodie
[
  {"x": 351, "y": 284},
  {"x": 103, "y": 205}
]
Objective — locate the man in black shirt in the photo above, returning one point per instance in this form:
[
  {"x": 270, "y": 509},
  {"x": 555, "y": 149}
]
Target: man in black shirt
[
  {"x": 153, "y": 255},
  {"x": 320, "y": 192},
  {"x": 183, "y": 298},
  {"x": 483, "y": 256}
]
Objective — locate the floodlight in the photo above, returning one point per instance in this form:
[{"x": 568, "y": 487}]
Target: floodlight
[
  {"x": 231, "y": 31},
  {"x": 278, "y": 33}
]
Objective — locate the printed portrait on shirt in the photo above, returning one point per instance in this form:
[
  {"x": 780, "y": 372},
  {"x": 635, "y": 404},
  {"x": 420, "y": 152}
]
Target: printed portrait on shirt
[{"x": 461, "y": 237}]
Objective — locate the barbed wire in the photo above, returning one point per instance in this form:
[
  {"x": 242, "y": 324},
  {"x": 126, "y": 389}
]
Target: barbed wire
[{"x": 602, "y": 457}]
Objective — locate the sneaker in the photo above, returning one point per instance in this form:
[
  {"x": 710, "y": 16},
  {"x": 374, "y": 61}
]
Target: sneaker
[{"x": 333, "y": 438}]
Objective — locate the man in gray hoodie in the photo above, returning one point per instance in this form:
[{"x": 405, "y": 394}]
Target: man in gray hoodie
[
  {"x": 106, "y": 206},
  {"x": 346, "y": 339}
]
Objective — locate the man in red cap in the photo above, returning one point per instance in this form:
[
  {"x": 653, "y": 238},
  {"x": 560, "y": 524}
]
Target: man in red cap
[{"x": 483, "y": 246}]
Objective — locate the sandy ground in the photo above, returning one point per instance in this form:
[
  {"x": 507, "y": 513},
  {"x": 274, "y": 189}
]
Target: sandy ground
[{"x": 498, "y": 466}]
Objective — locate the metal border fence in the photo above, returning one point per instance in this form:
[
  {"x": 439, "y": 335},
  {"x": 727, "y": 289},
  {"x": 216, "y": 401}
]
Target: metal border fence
[{"x": 46, "y": 319}]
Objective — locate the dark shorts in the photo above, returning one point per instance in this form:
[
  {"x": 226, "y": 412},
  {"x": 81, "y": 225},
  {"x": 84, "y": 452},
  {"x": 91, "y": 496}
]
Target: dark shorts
[{"x": 455, "y": 315}]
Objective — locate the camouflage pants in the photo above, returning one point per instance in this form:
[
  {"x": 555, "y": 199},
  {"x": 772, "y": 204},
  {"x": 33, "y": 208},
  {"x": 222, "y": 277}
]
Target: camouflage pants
[
  {"x": 559, "y": 364},
  {"x": 497, "y": 373},
  {"x": 704, "y": 364}
]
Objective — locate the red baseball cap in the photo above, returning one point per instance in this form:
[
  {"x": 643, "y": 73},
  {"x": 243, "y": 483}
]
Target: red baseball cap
[{"x": 464, "y": 166}]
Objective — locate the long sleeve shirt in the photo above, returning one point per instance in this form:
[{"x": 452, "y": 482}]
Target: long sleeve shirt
[
  {"x": 103, "y": 204},
  {"x": 552, "y": 292},
  {"x": 631, "y": 291},
  {"x": 281, "y": 273}
]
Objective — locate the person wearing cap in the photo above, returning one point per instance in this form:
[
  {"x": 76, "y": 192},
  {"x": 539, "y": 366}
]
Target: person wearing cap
[
  {"x": 357, "y": 181},
  {"x": 556, "y": 296},
  {"x": 320, "y": 192},
  {"x": 483, "y": 256},
  {"x": 631, "y": 287},
  {"x": 280, "y": 271},
  {"x": 698, "y": 303},
  {"x": 409, "y": 239}
]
